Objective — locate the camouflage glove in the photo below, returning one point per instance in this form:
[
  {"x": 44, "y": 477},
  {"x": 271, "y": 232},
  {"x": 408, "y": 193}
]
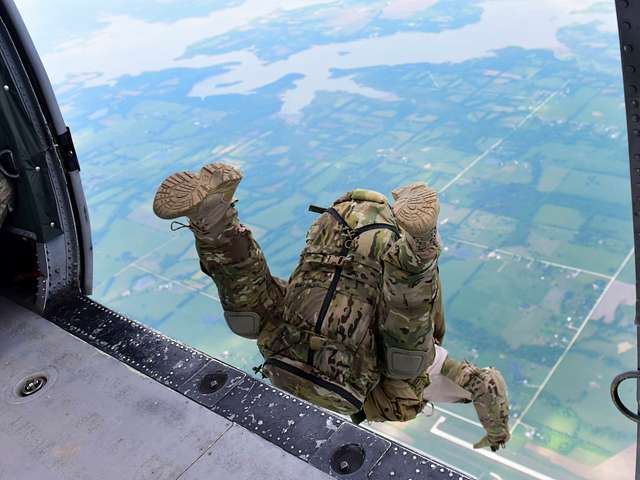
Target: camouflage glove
[
  {"x": 489, "y": 395},
  {"x": 416, "y": 209}
]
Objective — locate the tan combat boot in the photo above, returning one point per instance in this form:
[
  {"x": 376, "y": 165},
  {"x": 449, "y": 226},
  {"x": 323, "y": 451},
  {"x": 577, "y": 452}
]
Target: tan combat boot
[
  {"x": 489, "y": 396},
  {"x": 416, "y": 209},
  {"x": 205, "y": 197},
  {"x": 7, "y": 195}
]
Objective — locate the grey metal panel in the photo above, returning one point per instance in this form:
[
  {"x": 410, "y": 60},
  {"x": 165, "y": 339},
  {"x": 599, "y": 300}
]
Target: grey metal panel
[
  {"x": 211, "y": 383},
  {"x": 95, "y": 418},
  {"x": 292, "y": 424},
  {"x": 372, "y": 446},
  {"x": 278, "y": 417},
  {"x": 399, "y": 462},
  {"x": 142, "y": 348},
  {"x": 241, "y": 455}
]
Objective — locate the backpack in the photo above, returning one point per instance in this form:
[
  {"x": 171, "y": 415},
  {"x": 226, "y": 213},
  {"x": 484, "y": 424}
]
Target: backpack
[{"x": 325, "y": 351}]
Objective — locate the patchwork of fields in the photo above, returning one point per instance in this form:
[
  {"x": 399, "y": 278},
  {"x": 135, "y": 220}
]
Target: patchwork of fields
[{"x": 527, "y": 146}]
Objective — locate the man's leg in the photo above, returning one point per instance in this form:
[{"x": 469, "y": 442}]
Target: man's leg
[
  {"x": 452, "y": 381},
  {"x": 250, "y": 296},
  {"x": 410, "y": 286},
  {"x": 414, "y": 317},
  {"x": 246, "y": 288},
  {"x": 6, "y": 198}
]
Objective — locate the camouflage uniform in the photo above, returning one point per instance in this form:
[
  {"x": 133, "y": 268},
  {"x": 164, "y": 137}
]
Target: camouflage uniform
[
  {"x": 237, "y": 265},
  {"x": 6, "y": 198},
  {"x": 357, "y": 327},
  {"x": 345, "y": 349}
]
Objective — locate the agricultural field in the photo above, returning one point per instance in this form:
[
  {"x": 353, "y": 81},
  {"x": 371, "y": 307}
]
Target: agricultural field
[{"x": 522, "y": 133}]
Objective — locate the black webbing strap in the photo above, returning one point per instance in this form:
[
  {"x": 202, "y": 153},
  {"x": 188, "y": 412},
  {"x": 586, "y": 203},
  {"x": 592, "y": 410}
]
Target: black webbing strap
[
  {"x": 376, "y": 226},
  {"x": 345, "y": 394},
  {"x": 333, "y": 212},
  {"x": 355, "y": 231},
  {"x": 358, "y": 417},
  {"x": 316, "y": 209}
]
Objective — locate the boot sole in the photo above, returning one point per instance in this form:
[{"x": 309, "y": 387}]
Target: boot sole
[
  {"x": 181, "y": 192},
  {"x": 418, "y": 212}
]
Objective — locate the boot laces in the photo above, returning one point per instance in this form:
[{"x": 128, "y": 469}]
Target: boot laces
[{"x": 193, "y": 226}]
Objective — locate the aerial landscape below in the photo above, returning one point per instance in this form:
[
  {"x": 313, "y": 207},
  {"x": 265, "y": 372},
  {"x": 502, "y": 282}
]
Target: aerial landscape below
[{"x": 512, "y": 110}]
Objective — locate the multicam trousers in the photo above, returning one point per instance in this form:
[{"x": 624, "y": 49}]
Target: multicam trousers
[{"x": 237, "y": 265}]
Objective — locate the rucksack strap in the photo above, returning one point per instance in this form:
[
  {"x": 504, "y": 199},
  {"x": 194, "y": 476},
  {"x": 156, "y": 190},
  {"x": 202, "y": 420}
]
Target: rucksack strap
[
  {"x": 358, "y": 417},
  {"x": 316, "y": 209},
  {"x": 376, "y": 226}
]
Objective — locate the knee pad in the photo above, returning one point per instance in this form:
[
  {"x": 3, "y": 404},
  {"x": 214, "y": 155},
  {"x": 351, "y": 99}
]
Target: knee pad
[
  {"x": 404, "y": 364},
  {"x": 245, "y": 324}
]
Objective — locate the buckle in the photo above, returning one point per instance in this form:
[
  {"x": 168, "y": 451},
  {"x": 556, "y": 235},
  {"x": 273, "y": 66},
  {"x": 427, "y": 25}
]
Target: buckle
[
  {"x": 336, "y": 260},
  {"x": 348, "y": 237}
]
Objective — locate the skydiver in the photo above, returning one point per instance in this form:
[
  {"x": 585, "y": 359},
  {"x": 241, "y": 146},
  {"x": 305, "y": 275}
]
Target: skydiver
[{"x": 359, "y": 326}]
